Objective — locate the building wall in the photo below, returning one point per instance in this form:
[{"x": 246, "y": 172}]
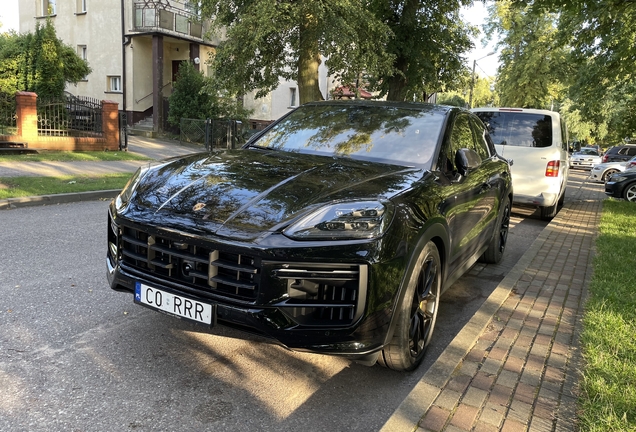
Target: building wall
[
  {"x": 99, "y": 29},
  {"x": 279, "y": 101}
]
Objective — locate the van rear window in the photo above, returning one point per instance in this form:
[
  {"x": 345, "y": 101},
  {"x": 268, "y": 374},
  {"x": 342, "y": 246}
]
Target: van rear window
[{"x": 518, "y": 128}]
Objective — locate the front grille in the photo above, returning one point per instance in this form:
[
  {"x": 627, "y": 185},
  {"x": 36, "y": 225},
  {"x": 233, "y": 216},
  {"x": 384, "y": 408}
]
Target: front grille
[
  {"x": 324, "y": 295},
  {"x": 203, "y": 268}
]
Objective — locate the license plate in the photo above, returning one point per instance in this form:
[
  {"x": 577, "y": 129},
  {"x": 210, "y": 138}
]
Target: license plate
[{"x": 173, "y": 304}]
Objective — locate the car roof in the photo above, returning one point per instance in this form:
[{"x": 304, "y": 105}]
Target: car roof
[
  {"x": 420, "y": 106},
  {"x": 520, "y": 110}
]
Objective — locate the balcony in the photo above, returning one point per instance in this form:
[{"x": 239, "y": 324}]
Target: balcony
[{"x": 180, "y": 19}]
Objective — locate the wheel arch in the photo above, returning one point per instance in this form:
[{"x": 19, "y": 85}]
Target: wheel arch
[{"x": 436, "y": 232}]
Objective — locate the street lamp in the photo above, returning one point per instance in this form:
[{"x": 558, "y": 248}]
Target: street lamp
[{"x": 472, "y": 82}]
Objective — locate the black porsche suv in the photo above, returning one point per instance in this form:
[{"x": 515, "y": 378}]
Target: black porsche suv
[{"x": 335, "y": 230}]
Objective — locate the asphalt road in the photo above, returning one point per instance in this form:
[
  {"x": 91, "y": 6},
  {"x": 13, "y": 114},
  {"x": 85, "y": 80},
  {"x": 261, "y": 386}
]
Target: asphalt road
[{"x": 76, "y": 356}]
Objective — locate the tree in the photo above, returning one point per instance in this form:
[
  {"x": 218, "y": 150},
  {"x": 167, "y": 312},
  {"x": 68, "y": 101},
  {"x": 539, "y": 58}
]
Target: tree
[
  {"x": 269, "y": 39},
  {"x": 534, "y": 62},
  {"x": 599, "y": 36},
  {"x": 197, "y": 97},
  {"x": 428, "y": 46},
  {"x": 38, "y": 62}
]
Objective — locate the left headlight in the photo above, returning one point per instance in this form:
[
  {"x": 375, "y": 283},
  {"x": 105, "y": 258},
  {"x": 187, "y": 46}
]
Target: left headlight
[{"x": 342, "y": 221}]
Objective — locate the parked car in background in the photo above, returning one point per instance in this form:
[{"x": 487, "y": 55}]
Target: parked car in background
[
  {"x": 622, "y": 185},
  {"x": 587, "y": 157},
  {"x": 333, "y": 231},
  {"x": 537, "y": 143},
  {"x": 602, "y": 172},
  {"x": 620, "y": 153},
  {"x": 631, "y": 163}
]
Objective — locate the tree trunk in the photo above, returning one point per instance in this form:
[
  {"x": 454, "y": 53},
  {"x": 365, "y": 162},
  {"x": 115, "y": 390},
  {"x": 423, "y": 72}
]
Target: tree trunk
[
  {"x": 397, "y": 83},
  {"x": 308, "y": 63}
]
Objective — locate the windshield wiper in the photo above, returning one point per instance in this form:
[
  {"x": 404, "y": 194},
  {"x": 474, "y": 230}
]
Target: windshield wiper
[{"x": 259, "y": 147}]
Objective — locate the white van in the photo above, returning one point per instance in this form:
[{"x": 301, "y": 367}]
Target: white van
[{"x": 537, "y": 143}]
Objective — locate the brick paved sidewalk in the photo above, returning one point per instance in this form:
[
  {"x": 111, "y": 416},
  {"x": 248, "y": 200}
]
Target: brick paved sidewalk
[{"x": 514, "y": 366}]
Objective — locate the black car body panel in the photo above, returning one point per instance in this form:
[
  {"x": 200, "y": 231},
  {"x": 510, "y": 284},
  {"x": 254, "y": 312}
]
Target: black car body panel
[
  {"x": 230, "y": 228},
  {"x": 622, "y": 185}
]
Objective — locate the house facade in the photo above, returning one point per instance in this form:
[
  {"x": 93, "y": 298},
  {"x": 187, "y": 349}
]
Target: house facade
[{"x": 134, "y": 48}]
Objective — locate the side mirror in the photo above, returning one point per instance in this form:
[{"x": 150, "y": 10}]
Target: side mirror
[
  {"x": 510, "y": 162},
  {"x": 466, "y": 160}
]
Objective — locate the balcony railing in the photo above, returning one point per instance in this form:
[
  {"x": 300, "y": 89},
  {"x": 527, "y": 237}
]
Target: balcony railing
[{"x": 170, "y": 16}]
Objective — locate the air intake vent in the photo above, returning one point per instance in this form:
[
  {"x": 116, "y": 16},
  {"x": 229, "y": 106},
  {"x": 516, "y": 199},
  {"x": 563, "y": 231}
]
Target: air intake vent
[{"x": 324, "y": 295}]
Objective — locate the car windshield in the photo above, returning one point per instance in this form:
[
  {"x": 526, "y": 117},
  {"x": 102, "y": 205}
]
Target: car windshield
[
  {"x": 518, "y": 128},
  {"x": 395, "y": 134}
]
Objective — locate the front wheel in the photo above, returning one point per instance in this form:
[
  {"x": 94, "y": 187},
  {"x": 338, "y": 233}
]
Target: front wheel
[
  {"x": 608, "y": 174},
  {"x": 416, "y": 314},
  {"x": 630, "y": 192}
]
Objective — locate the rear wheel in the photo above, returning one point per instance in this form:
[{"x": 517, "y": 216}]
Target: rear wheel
[
  {"x": 607, "y": 174},
  {"x": 548, "y": 212},
  {"x": 497, "y": 244},
  {"x": 630, "y": 192},
  {"x": 416, "y": 314}
]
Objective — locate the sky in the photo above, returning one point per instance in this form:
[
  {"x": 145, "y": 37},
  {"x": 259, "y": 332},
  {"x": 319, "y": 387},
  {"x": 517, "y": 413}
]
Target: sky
[
  {"x": 9, "y": 16},
  {"x": 476, "y": 15}
]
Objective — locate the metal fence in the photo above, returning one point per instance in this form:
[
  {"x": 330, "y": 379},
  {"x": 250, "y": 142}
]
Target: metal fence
[
  {"x": 8, "y": 116},
  {"x": 214, "y": 134},
  {"x": 69, "y": 115},
  {"x": 123, "y": 131}
]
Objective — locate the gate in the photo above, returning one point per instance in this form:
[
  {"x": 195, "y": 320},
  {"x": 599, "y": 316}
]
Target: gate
[
  {"x": 123, "y": 131},
  {"x": 213, "y": 133}
]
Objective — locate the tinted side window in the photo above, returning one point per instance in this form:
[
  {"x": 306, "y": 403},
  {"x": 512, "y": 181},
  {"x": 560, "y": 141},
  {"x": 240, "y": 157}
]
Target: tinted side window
[
  {"x": 481, "y": 144},
  {"x": 461, "y": 137},
  {"x": 631, "y": 151},
  {"x": 518, "y": 129}
]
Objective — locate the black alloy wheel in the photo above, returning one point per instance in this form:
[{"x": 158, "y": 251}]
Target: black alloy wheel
[
  {"x": 417, "y": 314},
  {"x": 497, "y": 244}
]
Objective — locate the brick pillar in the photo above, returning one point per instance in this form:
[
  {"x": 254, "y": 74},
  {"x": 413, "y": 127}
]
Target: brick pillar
[
  {"x": 110, "y": 124},
  {"x": 27, "y": 112}
]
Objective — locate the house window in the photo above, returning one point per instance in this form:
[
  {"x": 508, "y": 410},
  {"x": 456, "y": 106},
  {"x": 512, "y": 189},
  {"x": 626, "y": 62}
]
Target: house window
[
  {"x": 81, "y": 52},
  {"x": 292, "y": 97},
  {"x": 81, "y": 6},
  {"x": 47, "y": 7},
  {"x": 114, "y": 84}
]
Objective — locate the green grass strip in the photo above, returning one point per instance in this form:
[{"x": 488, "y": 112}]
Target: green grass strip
[
  {"x": 14, "y": 187},
  {"x": 608, "y": 397},
  {"x": 68, "y": 156}
]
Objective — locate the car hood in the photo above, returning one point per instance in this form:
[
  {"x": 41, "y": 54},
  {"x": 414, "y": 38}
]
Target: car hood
[{"x": 244, "y": 194}]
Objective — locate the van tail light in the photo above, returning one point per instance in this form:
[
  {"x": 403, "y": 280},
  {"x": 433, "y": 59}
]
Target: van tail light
[
  {"x": 552, "y": 169},
  {"x": 605, "y": 158}
]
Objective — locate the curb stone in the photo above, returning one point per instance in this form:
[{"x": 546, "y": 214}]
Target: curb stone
[{"x": 12, "y": 203}]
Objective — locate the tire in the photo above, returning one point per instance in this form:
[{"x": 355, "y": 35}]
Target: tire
[
  {"x": 607, "y": 174},
  {"x": 630, "y": 192},
  {"x": 562, "y": 199},
  {"x": 549, "y": 212},
  {"x": 416, "y": 314},
  {"x": 497, "y": 244}
]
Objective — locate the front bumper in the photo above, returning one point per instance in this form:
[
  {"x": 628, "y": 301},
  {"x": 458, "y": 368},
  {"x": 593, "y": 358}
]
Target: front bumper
[
  {"x": 325, "y": 303},
  {"x": 613, "y": 189}
]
